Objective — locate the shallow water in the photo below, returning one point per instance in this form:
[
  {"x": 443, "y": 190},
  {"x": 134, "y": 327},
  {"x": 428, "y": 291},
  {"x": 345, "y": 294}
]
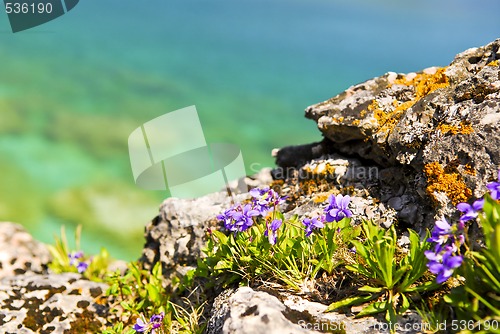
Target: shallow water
[{"x": 72, "y": 90}]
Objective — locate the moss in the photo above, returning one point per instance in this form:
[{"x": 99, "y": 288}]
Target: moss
[
  {"x": 493, "y": 63},
  {"x": 446, "y": 180},
  {"x": 462, "y": 128}
]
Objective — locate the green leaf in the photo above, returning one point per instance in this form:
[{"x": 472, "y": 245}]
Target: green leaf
[
  {"x": 349, "y": 302},
  {"x": 373, "y": 308},
  {"x": 221, "y": 237},
  {"x": 371, "y": 289},
  {"x": 153, "y": 292}
]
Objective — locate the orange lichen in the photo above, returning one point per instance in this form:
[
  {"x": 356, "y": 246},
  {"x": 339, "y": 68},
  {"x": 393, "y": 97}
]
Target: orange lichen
[
  {"x": 323, "y": 170},
  {"x": 386, "y": 120},
  {"x": 493, "y": 63},
  {"x": 320, "y": 198},
  {"x": 447, "y": 181},
  {"x": 425, "y": 83},
  {"x": 468, "y": 169},
  {"x": 462, "y": 128}
]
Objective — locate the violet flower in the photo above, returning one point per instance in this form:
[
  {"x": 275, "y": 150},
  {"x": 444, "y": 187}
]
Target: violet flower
[
  {"x": 312, "y": 224},
  {"x": 154, "y": 322},
  {"x": 265, "y": 199},
  {"x": 338, "y": 208},
  {"x": 274, "y": 226},
  {"x": 238, "y": 218},
  {"x": 494, "y": 188},
  {"x": 441, "y": 232},
  {"x": 74, "y": 256},
  {"x": 470, "y": 211},
  {"x": 82, "y": 266},
  {"x": 443, "y": 264}
]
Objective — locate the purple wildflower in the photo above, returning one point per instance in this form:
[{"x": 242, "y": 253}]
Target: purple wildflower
[
  {"x": 311, "y": 224},
  {"x": 470, "y": 211},
  {"x": 441, "y": 232},
  {"x": 226, "y": 218},
  {"x": 154, "y": 322},
  {"x": 445, "y": 234},
  {"x": 74, "y": 256},
  {"x": 265, "y": 199},
  {"x": 275, "y": 225},
  {"x": 82, "y": 266},
  {"x": 338, "y": 208},
  {"x": 443, "y": 264},
  {"x": 238, "y": 218},
  {"x": 494, "y": 188}
]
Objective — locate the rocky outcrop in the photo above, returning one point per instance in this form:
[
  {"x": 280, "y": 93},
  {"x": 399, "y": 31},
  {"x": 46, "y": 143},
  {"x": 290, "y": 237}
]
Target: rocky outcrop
[
  {"x": 247, "y": 311},
  {"x": 33, "y": 300},
  {"x": 432, "y": 134},
  {"x": 177, "y": 235},
  {"x": 52, "y": 303},
  {"x": 406, "y": 147},
  {"x": 20, "y": 253}
]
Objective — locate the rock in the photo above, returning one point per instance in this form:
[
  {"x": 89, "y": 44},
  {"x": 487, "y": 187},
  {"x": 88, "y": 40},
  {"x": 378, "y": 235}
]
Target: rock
[
  {"x": 432, "y": 135},
  {"x": 177, "y": 235},
  {"x": 63, "y": 303},
  {"x": 248, "y": 311},
  {"x": 20, "y": 253}
]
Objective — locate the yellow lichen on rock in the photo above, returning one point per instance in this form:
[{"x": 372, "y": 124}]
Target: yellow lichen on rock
[
  {"x": 493, "y": 63},
  {"x": 469, "y": 170},
  {"x": 425, "y": 83},
  {"x": 462, "y": 128},
  {"x": 447, "y": 181}
]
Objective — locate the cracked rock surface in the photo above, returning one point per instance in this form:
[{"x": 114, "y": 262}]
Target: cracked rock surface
[{"x": 33, "y": 300}]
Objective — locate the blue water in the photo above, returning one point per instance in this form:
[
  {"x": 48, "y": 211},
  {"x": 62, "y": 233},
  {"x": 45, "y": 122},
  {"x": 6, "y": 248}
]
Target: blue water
[{"x": 73, "y": 89}]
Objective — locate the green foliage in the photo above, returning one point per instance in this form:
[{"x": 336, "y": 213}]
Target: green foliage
[
  {"x": 393, "y": 277},
  {"x": 479, "y": 298},
  {"x": 250, "y": 256},
  {"x": 142, "y": 293},
  {"x": 97, "y": 265}
]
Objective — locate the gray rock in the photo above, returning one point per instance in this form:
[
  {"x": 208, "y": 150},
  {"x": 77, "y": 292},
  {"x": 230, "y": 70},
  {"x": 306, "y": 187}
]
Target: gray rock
[
  {"x": 432, "y": 134},
  {"x": 64, "y": 303},
  {"x": 177, "y": 236},
  {"x": 20, "y": 253},
  {"x": 248, "y": 311}
]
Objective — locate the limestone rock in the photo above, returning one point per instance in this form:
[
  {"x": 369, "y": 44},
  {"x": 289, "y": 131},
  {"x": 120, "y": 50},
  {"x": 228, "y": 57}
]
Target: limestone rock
[
  {"x": 177, "y": 235},
  {"x": 248, "y": 311},
  {"x": 20, "y": 253},
  {"x": 64, "y": 303},
  {"x": 435, "y": 130}
]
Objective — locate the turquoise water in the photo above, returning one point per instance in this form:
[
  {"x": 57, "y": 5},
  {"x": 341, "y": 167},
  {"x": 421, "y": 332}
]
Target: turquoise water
[{"x": 72, "y": 90}]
